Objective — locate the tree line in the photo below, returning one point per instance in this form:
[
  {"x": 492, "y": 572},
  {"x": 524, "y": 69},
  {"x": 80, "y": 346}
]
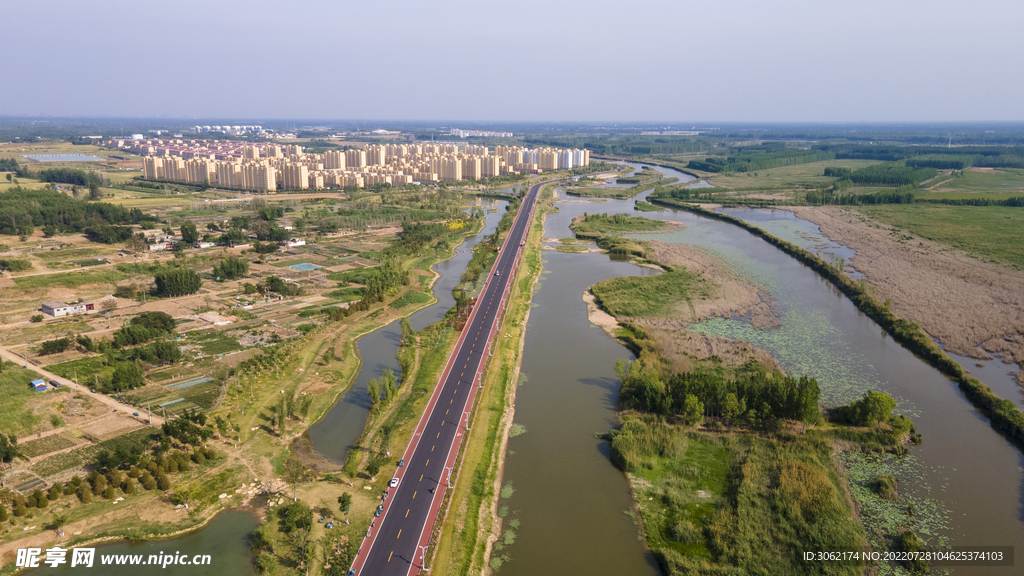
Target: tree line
[
  {"x": 22, "y": 210},
  {"x": 755, "y": 398}
]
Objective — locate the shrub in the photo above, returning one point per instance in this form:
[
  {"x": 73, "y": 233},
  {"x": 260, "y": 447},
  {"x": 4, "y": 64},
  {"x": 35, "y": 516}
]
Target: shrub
[
  {"x": 15, "y": 265},
  {"x": 177, "y": 281}
]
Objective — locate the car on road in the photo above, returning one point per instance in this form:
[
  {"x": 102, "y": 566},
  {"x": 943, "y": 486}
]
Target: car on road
[{"x": 394, "y": 483}]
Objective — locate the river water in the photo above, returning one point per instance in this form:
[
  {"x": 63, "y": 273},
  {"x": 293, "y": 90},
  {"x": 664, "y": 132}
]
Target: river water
[
  {"x": 339, "y": 429},
  {"x": 225, "y": 539},
  {"x": 572, "y": 504},
  {"x": 964, "y": 480}
]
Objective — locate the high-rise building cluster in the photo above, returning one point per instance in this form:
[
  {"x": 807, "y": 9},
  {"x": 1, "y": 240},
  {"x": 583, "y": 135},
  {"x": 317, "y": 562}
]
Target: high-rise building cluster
[
  {"x": 268, "y": 166},
  {"x": 234, "y": 130},
  {"x": 479, "y": 133}
]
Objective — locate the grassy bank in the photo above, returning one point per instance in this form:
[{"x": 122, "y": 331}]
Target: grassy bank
[
  {"x": 593, "y": 226},
  {"x": 650, "y": 296},
  {"x": 463, "y": 546},
  {"x": 736, "y": 503},
  {"x": 1003, "y": 414},
  {"x": 620, "y": 193}
]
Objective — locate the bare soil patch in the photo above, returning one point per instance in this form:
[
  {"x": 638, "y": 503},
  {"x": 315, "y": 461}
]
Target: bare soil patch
[
  {"x": 973, "y": 308},
  {"x": 733, "y": 295},
  {"x": 680, "y": 347}
]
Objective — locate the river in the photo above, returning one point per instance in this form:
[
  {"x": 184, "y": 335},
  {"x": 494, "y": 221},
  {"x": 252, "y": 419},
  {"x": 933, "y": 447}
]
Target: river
[
  {"x": 964, "y": 479},
  {"x": 225, "y": 539},
  {"x": 339, "y": 429},
  {"x": 571, "y": 503}
]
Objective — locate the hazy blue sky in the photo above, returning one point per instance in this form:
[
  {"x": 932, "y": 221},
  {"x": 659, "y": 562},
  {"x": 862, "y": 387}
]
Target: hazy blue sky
[{"x": 547, "y": 60}]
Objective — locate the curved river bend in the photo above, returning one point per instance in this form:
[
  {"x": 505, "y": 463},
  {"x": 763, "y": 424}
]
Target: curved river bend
[{"x": 964, "y": 479}]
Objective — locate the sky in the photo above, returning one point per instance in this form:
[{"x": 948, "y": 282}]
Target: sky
[{"x": 526, "y": 60}]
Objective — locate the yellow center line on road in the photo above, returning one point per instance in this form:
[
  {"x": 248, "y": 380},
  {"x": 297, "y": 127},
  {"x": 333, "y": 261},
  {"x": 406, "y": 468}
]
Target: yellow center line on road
[
  {"x": 390, "y": 555},
  {"x": 407, "y": 513},
  {"x": 432, "y": 447},
  {"x": 438, "y": 435},
  {"x": 399, "y": 534},
  {"x": 421, "y": 477},
  {"x": 414, "y": 492},
  {"x": 428, "y": 462}
]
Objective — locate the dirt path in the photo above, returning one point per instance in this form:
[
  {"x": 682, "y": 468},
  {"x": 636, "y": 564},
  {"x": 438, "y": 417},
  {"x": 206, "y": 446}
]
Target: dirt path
[
  {"x": 102, "y": 398},
  {"x": 973, "y": 308}
]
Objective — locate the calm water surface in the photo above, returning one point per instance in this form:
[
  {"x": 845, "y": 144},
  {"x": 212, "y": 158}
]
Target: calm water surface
[
  {"x": 339, "y": 429},
  {"x": 225, "y": 539},
  {"x": 966, "y": 481}
]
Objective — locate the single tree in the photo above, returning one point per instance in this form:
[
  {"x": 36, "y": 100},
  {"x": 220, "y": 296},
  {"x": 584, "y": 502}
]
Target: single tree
[
  {"x": 189, "y": 233},
  {"x": 294, "y": 472}
]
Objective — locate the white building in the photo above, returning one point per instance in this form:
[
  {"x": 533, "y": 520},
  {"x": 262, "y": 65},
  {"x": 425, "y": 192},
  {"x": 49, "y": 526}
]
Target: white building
[
  {"x": 58, "y": 309},
  {"x": 296, "y": 242}
]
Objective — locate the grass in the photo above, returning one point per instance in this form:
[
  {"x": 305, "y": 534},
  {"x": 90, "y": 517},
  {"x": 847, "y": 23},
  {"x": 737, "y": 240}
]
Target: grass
[
  {"x": 83, "y": 369},
  {"x": 14, "y": 386},
  {"x": 620, "y": 193},
  {"x": 68, "y": 279},
  {"x": 358, "y": 275},
  {"x": 593, "y": 225},
  {"x": 992, "y": 233},
  {"x": 649, "y": 296},
  {"x": 571, "y": 248},
  {"x": 411, "y": 297},
  {"x": 644, "y": 175},
  {"x": 347, "y": 294},
  {"x": 41, "y": 446},
  {"x": 714, "y": 504},
  {"x": 460, "y": 546},
  {"x": 1000, "y": 181},
  {"x": 810, "y": 175},
  {"x": 135, "y": 439}
]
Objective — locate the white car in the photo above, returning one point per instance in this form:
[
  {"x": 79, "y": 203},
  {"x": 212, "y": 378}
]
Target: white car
[{"x": 394, "y": 483}]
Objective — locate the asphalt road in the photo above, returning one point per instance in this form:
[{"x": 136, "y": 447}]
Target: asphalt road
[{"x": 395, "y": 541}]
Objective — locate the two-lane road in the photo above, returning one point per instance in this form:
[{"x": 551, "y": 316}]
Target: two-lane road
[{"x": 397, "y": 539}]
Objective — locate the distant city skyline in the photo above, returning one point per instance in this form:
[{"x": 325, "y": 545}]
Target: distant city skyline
[{"x": 732, "y": 61}]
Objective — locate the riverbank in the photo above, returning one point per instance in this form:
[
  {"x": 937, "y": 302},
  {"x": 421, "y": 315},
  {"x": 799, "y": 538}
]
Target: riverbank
[
  {"x": 473, "y": 524},
  {"x": 1003, "y": 414},
  {"x": 253, "y": 444},
  {"x": 973, "y": 308}
]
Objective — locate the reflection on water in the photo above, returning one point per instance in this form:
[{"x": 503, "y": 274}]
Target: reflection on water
[
  {"x": 966, "y": 481},
  {"x": 225, "y": 539},
  {"x": 339, "y": 429}
]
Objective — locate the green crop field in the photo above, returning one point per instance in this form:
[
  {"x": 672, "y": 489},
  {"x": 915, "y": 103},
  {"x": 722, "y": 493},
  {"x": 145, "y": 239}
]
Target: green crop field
[
  {"x": 993, "y": 233},
  {"x": 83, "y": 369},
  {"x": 41, "y": 446},
  {"x": 68, "y": 279}
]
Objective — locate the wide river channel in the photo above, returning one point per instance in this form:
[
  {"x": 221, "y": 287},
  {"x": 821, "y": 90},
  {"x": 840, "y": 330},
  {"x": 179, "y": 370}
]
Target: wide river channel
[
  {"x": 573, "y": 505},
  {"x": 965, "y": 480}
]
